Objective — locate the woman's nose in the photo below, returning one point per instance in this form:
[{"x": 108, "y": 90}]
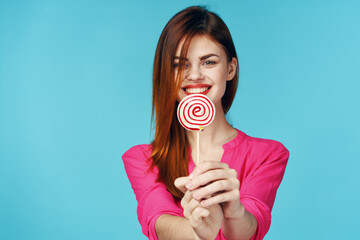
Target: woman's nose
[{"x": 194, "y": 73}]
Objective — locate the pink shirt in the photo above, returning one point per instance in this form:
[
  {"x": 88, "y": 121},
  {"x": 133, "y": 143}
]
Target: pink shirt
[{"x": 260, "y": 164}]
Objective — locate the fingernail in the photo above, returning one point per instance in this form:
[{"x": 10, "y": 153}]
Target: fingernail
[
  {"x": 188, "y": 186},
  {"x": 203, "y": 203}
]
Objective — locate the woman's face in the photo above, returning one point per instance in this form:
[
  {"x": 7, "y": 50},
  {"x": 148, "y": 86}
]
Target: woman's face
[{"x": 206, "y": 69}]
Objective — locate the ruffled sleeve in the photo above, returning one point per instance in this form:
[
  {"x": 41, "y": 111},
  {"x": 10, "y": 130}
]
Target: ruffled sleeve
[
  {"x": 258, "y": 188},
  {"x": 152, "y": 197}
]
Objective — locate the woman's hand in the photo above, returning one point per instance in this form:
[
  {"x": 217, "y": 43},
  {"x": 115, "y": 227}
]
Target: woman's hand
[
  {"x": 206, "y": 222},
  {"x": 214, "y": 183}
]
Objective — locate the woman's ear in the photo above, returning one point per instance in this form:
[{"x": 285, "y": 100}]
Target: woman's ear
[{"x": 231, "y": 69}]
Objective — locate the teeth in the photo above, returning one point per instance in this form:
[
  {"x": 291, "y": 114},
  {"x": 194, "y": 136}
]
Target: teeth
[{"x": 196, "y": 90}]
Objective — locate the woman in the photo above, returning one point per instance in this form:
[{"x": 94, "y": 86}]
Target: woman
[{"x": 230, "y": 194}]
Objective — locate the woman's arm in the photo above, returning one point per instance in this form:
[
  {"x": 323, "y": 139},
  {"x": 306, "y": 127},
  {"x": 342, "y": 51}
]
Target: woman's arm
[
  {"x": 198, "y": 224},
  {"x": 242, "y": 226},
  {"x": 174, "y": 227},
  {"x": 152, "y": 196}
]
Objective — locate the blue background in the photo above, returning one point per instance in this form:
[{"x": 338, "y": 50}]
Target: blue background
[{"x": 75, "y": 94}]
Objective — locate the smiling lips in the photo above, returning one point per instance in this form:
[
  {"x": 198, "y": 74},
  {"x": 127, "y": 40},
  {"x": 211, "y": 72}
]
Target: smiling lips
[{"x": 196, "y": 88}]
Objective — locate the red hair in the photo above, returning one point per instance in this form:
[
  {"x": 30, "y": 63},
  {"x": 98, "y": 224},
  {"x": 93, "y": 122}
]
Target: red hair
[{"x": 170, "y": 148}]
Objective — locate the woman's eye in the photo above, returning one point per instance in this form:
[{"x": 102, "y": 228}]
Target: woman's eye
[{"x": 209, "y": 62}]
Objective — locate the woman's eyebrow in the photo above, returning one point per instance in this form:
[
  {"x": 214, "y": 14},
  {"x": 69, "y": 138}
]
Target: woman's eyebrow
[
  {"x": 202, "y": 57},
  {"x": 207, "y": 56}
]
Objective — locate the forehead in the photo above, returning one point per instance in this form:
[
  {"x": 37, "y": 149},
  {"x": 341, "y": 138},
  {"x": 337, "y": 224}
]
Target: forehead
[{"x": 201, "y": 45}]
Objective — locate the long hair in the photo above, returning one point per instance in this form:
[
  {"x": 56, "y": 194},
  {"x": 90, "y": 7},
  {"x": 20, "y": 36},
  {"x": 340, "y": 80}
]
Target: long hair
[{"x": 170, "y": 148}]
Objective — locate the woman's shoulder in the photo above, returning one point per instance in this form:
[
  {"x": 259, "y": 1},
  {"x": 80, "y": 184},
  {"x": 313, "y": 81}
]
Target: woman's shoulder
[
  {"x": 258, "y": 151},
  {"x": 141, "y": 151},
  {"x": 259, "y": 144}
]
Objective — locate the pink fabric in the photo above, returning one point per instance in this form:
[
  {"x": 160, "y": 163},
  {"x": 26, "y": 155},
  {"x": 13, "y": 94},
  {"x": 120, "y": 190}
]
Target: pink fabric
[{"x": 260, "y": 164}]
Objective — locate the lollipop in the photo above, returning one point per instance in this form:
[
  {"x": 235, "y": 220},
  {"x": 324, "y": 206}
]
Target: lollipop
[{"x": 195, "y": 112}]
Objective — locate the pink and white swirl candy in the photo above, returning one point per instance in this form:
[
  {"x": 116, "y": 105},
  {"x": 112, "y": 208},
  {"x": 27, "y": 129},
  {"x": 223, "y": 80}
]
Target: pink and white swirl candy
[{"x": 195, "y": 112}]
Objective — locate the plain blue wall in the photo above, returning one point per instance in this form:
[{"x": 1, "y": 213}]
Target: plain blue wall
[{"x": 75, "y": 93}]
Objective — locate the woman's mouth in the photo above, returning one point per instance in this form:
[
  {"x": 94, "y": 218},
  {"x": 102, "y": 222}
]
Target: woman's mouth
[{"x": 204, "y": 89}]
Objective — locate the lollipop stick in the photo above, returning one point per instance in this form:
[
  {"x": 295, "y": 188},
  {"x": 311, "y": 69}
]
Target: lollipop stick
[{"x": 197, "y": 148}]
